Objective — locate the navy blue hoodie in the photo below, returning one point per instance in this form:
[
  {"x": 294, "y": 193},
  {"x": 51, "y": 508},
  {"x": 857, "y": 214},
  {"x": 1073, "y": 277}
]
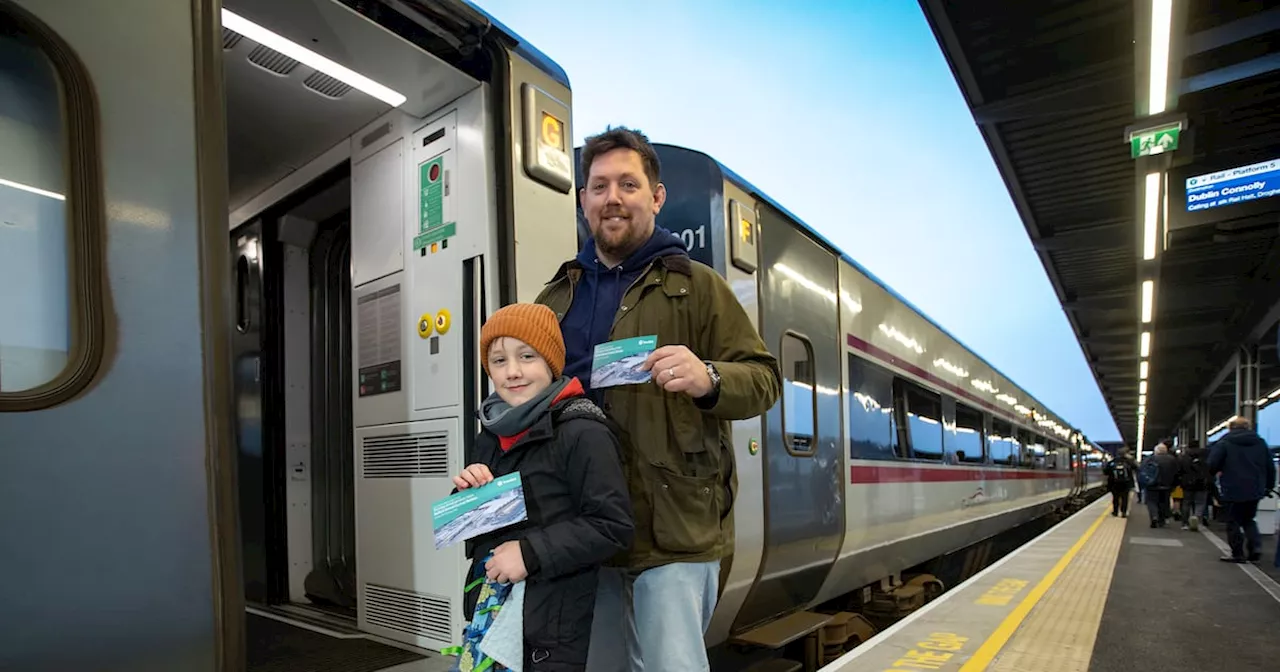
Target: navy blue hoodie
[{"x": 598, "y": 295}]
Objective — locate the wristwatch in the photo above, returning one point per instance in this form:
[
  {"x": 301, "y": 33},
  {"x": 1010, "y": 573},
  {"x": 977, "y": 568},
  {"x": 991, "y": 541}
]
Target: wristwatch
[{"x": 715, "y": 378}]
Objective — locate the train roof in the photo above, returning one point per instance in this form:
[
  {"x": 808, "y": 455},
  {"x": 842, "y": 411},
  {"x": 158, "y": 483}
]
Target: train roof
[
  {"x": 759, "y": 193},
  {"x": 522, "y": 46}
]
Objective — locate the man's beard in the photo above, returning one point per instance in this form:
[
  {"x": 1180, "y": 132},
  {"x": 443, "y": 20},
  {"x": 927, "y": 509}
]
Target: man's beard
[{"x": 620, "y": 244}]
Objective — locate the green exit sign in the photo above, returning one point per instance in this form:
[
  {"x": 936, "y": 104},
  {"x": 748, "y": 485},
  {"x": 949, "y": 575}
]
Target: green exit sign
[{"x": 1154, "y": 141}]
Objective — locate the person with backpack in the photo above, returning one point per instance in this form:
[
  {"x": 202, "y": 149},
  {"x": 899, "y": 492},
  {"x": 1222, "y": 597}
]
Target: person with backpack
[
  {"x": 1193, "y": 476},
  {"x": 1120, "y": 477},
  {"x": 539, "y": 423},
  {"x": 1158, "y": 475}
]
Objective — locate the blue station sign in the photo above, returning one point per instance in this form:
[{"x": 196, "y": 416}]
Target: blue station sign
[{"x": 1233, "y": 186}]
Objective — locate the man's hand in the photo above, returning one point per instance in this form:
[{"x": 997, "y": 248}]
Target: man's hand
[
  {"x": 676, "y": 369},
  {"x": 507, "y": 564}
]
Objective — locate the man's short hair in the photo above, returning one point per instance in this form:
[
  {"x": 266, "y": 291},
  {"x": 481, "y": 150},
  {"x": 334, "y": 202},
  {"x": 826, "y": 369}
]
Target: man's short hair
[
  {"x": 622, "y": 137},
  {"x": 1239, "y": 422}
]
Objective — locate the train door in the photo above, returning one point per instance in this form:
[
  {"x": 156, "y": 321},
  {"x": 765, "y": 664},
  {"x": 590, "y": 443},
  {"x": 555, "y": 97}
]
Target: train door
[
  {"x": 803, "y": 475},
  {"x": 290, "y": 341}
]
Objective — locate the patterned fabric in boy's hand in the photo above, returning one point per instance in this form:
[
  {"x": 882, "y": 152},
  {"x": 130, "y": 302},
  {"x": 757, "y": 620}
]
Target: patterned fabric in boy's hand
[{"x": 488, "y": 604}]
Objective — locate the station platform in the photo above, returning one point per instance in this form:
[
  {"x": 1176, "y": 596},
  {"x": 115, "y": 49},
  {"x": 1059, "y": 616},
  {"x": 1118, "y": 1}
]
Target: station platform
[{"x": 1094, "y": 594}]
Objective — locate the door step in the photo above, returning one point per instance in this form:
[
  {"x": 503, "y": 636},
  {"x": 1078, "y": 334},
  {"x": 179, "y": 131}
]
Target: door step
[{"x": 308, "y": 618}]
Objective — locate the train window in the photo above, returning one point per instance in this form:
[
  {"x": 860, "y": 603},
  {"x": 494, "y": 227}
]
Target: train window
[
  {"x": 872, "y": 433},
  {"x": 50, "y": 221},
  {"x": 1025, "y": 444},
  {"x": 1039, "y": 452},
  {"x": 924, "y": 421},
  {"x": 966, "y": 442},
  {"x": 800, "y": 399},
  {"x": 1004, "y": 447}
]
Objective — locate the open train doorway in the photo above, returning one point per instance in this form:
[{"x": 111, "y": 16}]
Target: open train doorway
[
  {"x": 292, "y": 349},
  {"x": 319, "y": 172},
  {"x": 372, "y": 225}
]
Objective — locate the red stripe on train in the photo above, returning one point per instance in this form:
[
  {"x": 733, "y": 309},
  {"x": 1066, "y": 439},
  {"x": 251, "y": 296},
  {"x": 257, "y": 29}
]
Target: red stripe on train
[{"x": 896, "y": 474}]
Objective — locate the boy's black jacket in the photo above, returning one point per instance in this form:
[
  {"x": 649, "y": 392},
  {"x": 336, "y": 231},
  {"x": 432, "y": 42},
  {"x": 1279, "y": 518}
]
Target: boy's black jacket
[{"x": 579, "y": 516}]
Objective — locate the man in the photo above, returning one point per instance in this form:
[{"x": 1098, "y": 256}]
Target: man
[
  {"x": 1120, "y": 475},
  {"x": 1248, "y": 474},
  {"x": 1193, "y": 476},
  {"x": 633, "y": 279},
  {"x": 1159, "y": 474}
]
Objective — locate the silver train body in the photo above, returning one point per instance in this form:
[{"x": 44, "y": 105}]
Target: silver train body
[{"x": 258, "y": 280}]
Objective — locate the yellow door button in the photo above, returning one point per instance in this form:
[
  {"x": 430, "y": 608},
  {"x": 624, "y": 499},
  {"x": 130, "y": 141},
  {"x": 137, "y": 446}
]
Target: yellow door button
[
  {"x": 442, "y": 321},
  {"x": 424, "y": 325}
]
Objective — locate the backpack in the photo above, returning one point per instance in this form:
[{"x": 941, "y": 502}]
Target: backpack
[
  {"x": 1148, "y": 473},
  {"x": 1120, "y": 472},
  {"x": 1195, "y": 479}
]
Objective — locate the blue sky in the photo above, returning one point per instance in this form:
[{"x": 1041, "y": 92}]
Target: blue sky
[{"x": 848, "y": 115}]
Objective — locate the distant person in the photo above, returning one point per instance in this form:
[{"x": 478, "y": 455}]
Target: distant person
[
  {"x": 1159, "y": 475},
  {"x": 1193, "y": 477},
  {"x": 630, "y": 279},
  {"x": 1247, "y": 474},
  {"x": 538, "y": 423},
  {"x": 1120, "y": 473}
]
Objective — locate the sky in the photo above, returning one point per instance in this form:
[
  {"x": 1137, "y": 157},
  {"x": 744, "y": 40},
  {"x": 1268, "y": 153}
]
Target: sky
[{"x": 848, "y": 115}]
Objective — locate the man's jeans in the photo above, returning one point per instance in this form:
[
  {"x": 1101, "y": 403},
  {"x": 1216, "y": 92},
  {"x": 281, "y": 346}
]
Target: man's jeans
[
  {"x": 1190, "y": 507},
  {"x": 653, "y": 622},
  {"x": 1242, "y": 529}
]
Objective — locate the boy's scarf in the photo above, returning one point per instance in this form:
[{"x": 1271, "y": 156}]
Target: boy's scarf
[{"x": 505, "y": 420}]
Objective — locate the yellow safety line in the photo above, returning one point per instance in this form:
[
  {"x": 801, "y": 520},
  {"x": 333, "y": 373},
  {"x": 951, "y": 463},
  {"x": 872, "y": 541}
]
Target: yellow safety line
[{"x": 987, "y": 652}]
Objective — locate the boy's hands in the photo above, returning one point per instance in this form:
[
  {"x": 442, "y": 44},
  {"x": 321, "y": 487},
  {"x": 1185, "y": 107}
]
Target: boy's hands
[
  {"x": 507, "y": 564},
  {"x": 473, "y": 476}
]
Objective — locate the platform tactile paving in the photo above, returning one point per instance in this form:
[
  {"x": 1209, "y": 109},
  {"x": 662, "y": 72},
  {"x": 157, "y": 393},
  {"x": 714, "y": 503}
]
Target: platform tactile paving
[{"x": 1059, "y": 633}]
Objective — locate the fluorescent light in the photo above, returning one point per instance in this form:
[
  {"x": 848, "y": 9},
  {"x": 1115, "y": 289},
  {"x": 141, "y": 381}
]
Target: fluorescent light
[
  {"x": 31, "y": 189},
  {"x": 1142, "y": 387},
  {"x": 1142, "y": 400},
  {"x": 1148, "y": 289},
  {"x": 1161, "y": 25},
  {"x": 310, "y": 58},
  {"x": 1146, "y": 344},
  {"x": 1274, "y": 393},
  {"x": 1142, "y": 370},
  {"x": 1151, "y": 216}
]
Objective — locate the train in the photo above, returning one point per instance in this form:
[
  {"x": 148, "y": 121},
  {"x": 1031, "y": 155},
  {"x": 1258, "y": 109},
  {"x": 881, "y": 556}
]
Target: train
[{"x": 257, "y": 240}]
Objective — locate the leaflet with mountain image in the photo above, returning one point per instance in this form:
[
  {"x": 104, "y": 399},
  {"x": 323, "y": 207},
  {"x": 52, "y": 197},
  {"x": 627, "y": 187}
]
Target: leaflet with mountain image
[
  {"x": 475, "y": 511},
  {"x": 618, "y": 362}
]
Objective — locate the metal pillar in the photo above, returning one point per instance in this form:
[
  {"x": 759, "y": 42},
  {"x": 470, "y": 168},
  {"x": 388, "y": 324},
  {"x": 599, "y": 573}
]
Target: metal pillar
[
  {"x": 1203, "y": 421},
  {"x": 1247, "y": 383}
]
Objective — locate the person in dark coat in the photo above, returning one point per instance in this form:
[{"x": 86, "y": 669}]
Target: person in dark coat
[
  {"x": 1166, "y": 480},
  {"x": 1247, "y": 473},
  {"x": 540, "y": 424},
  {"x": 1193, "y": 476},
  {"x": 1121, "y": 473}
]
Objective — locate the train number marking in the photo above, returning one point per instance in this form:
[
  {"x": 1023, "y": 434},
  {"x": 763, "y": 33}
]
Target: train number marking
[
  {"x": 932, "y": 653},
  {"x": 1002, "y": 593}
]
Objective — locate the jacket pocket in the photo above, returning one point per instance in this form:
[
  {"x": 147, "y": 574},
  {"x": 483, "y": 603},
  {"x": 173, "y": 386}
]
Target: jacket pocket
[
  {"x": 686, "y": 510},
  {"x": 542, "y": 607}
]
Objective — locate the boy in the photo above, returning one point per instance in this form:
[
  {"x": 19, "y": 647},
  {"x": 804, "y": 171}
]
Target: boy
[{"x": 540, "y": 424}]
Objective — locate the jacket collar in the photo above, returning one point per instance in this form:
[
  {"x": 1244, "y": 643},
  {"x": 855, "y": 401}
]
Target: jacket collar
[{"x": 676, "y": 263}]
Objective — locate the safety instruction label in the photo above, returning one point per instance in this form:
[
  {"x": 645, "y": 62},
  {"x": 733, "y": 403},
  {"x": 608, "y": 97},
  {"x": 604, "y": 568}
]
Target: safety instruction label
[
  {"x": 431, "y": 190},
  {"x": 431, "y": 225}
]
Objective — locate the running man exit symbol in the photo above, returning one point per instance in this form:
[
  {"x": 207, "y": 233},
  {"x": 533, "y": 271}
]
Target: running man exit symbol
[{"x": 1154, "y": 141}]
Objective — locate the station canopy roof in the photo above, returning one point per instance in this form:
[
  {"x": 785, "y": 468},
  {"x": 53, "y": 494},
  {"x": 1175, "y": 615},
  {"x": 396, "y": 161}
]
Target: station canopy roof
[{"x": 1068, "y": 96}]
